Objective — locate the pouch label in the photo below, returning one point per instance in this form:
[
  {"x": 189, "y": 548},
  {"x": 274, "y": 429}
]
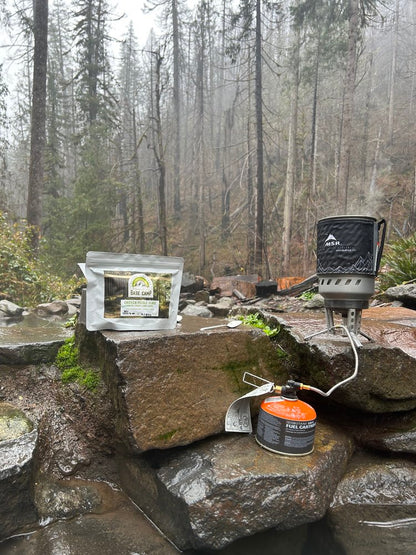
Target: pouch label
[
  {"x": 139, "y": 307},
  {"x": 136, "y": 295}
]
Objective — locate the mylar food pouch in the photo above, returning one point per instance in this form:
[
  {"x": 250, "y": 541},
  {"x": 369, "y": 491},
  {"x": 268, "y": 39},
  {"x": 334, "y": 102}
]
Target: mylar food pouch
[{"x": 131, "y": 291}]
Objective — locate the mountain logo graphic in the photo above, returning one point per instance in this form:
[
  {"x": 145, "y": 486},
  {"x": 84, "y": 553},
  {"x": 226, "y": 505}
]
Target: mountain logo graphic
[
  {"x": 140, "y": 285},
  {"x": 331, "y": 241}
]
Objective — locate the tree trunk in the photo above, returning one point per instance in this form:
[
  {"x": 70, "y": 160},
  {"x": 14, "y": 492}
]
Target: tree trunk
[
  {"x": 311, "y": 190},
  {"x": 412, "y": 215},
  {"x": 38, "y": 119},
  {"x": 258, "y": 255},
  {"x": 251, "y": 214},
  {"x": 177, "y": 110},
  {"x": 292, "y": 158},
  {"x": 137, "y": 195},
  {"x": 366, "y": 126},
  {"x": 390, "y": 123},
  {"x": 158, "y": 149},
  {"x": 372, "y": 188},
  {"x": 200, "y": 110},
  {"x": 349, "y": 87}
]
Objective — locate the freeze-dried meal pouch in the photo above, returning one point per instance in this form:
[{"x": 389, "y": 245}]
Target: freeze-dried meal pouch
[{"x": 131, "y": 291}]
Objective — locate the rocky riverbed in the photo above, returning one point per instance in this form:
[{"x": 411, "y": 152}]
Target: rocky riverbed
[{"x": 150, "y": 441}]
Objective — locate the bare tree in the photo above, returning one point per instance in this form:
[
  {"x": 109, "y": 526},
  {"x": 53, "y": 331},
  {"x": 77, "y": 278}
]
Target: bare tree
[
  {"x": 159, "y": 149},
  {"x": 259, "y": 237},
  {"x": 292, "y": 155},
  {"x": 347, "y": 115},
  {"x": 38, "y": 119}
]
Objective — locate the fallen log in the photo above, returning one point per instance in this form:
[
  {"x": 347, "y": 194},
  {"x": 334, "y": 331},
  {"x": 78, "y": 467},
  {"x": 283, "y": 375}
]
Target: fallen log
[{"x": 305, "y": 285}]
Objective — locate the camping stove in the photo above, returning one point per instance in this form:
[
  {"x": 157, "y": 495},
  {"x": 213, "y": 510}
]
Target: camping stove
[{"x": 349, "y": 251}]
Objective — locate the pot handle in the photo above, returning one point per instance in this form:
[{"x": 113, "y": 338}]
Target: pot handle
[{"x": 380, "y": 242}]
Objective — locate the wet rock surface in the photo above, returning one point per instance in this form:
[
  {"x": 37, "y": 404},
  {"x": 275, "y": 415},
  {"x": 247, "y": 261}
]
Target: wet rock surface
[
  {"x": 13, "y": 422},
  {"x": 386, "y": 433},
  {"x": 114, "y": 526},
  {"x": 200, "y": 492},
  {"x": 386, "y": 380},
  {"x": 208, "y": 495},
  {"x": 173, "y": 388},
  {"x": 16, "y": 475},
  {"x": 33, "y": 340},
  {"x": 375, "y": 506}
]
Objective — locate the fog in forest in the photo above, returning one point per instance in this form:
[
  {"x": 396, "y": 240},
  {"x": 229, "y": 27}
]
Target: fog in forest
[{"x": 221, "y": 136}]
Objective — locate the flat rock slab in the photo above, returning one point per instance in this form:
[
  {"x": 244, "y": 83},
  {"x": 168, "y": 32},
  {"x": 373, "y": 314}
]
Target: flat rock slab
[
  {"x": 31, "y": 341},
  {"x": 210, "y": 494},
  {"x": 174, "y": 387},
  {"x": 31, "y": 353},
  {"x": 386, "y": 380},
  {"x": 374, "y": 506}
]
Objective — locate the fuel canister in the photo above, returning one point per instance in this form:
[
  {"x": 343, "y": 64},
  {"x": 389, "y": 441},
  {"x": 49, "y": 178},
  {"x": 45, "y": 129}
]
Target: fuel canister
[{"x": 286, "y": 426}]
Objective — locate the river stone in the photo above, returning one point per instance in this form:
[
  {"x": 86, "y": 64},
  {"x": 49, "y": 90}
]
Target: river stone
[
  {"x": 199, "y": 310},
  {"x": 212, "y": 493},
  {"x": 191, "y": 283},
  {"x": 54, "y": 308},
  {"x": 9, "y": 309},
  {"x": 404, "y": 293},
  {"x": 173, "y": 387},
  {"x": 16, "y": 469},
  {"x": 317, "y": 301},
  {"x": 65, "y": 499},
  {"x": 202, "y": 296},
  {"x": 375, "y": 505},
  {"x": 222, "y": 307},
  {"x": 386, "y": 380}
]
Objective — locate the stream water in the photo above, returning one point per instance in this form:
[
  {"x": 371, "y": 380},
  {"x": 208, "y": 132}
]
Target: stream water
[{"x": 31, "y": 329}]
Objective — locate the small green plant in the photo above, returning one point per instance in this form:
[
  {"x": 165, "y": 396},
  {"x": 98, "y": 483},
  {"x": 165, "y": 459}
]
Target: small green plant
[
  {"x": 71, "y": 322},
  {"x": 256, "y": 321},
  {"x": 67, "y": 360},
  {"x": 68, "y": 354},
  {"x": 307, "y": 295},
  {"x": 399, "y": 262}
]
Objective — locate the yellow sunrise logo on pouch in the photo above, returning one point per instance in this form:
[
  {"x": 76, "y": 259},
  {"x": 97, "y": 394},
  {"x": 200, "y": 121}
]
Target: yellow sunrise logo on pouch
[{"x": 140, "y": 285}]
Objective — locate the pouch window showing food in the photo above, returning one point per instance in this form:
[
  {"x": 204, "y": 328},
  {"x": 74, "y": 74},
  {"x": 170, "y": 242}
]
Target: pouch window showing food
[{"x": 131, "y": 291}]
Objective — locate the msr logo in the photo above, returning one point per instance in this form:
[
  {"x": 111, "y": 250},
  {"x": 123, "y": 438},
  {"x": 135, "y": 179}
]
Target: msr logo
[{"x": 331, "y": 241}]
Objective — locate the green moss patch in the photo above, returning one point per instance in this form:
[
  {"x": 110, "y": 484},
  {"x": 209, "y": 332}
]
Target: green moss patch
[
  {"x": 67, "y": 360},
  {"x": 167, "y": 436}
]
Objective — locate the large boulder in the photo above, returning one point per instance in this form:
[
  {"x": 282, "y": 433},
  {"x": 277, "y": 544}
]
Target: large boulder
[
  {"x": 173, "y": 387},
  {"x": 374, "y": 506},
  {"x": 386, "y": 380},
  {"x": 212, "y": 493},
  {"x": 18, "y": 438}
]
